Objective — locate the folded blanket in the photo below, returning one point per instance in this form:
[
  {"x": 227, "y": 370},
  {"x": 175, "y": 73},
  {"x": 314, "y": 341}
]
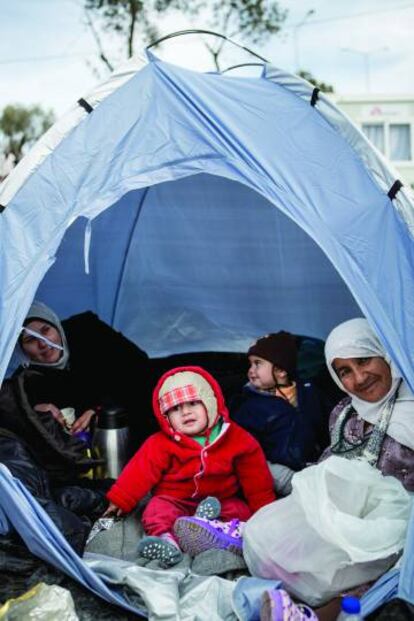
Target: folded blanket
[{"x": 122, "y": 539}]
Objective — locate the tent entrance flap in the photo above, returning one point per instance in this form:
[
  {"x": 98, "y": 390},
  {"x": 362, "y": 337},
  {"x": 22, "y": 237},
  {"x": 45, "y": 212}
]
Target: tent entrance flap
[{"x": 202, "y": 263}]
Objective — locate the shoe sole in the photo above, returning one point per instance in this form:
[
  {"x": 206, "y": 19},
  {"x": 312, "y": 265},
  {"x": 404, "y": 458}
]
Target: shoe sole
[
  {"x": 155, "y": 550},
  {"x": 194, "y": 538},
  {"x": 209, "y": 508}
]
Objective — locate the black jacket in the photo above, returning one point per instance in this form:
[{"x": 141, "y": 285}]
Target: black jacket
[
  {"x": 105, "y": 368},
  {"x": 63, "y": 456},
  {"x": 72, "y": 508}
]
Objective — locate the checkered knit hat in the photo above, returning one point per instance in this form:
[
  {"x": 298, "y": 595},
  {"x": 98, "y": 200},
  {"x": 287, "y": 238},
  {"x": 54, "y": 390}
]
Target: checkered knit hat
[
  {"x": 279, "y": 348},
  {"x": 187, "y": 386}
]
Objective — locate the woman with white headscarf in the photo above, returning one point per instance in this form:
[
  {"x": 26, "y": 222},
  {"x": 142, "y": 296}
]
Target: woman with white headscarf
[
  {"x": 345, "y": 523},
  {"x": 376, "y": 421}
]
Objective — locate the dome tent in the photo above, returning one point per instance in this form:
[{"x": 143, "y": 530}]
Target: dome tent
[{"x": 238, "y": 206}]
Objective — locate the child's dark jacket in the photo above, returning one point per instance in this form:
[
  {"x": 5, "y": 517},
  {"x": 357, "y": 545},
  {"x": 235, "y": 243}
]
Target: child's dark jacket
[
  {"x": 170, "y": 463},
  {"x": 287, "y": 434}
]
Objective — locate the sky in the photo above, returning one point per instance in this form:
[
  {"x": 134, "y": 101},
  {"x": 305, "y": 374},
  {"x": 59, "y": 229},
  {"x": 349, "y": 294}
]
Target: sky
[{"x": 48, "y": 55}]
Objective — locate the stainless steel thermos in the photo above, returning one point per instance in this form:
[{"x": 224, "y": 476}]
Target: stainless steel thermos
[{"x": 111, "y": 440}]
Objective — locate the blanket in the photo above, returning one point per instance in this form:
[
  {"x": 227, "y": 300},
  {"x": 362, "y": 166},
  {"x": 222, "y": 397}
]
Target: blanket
[{"x": 121, "y": 542}]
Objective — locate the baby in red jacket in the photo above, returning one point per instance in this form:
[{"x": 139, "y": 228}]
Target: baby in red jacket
[{"x": 200, "y": 464}]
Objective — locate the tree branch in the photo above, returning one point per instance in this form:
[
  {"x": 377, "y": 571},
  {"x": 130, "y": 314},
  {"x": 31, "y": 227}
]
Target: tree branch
[
  {"x": 214, "y": 53},
  {"x": 133, "y": 11},
  {"x": 97, "y": 38}
]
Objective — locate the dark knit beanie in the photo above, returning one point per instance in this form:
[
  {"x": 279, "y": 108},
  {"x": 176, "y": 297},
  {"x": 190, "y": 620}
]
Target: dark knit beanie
[{"x": 280, "y": 349}]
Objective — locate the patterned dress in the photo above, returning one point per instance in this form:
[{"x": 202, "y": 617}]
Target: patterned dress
[{"x": 393, "y": 458}]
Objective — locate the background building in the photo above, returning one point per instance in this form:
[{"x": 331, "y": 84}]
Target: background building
[{"x": 388, "y": 122}]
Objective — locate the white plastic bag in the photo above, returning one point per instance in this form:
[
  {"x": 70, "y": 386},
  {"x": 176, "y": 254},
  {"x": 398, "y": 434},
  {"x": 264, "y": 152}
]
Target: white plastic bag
[{"x": 344, "y": 524}]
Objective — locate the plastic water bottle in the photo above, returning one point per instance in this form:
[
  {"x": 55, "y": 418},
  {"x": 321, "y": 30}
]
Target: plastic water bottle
[{"x": 350, "y": 609}]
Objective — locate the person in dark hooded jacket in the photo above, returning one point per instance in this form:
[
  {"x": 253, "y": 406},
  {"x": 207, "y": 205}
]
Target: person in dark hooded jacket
[
  {"x": 64, "y": 366},
  {"x": 82, "y": 363}
]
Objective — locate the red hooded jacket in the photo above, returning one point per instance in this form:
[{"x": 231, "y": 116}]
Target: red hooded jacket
[{"x": 173, "y": 464}]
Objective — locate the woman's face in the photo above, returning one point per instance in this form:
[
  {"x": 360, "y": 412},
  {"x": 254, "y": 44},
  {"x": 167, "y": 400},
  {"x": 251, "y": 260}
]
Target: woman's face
[
  {"x": 36, "y": 349},
  {"x": 368, "y": 379}
]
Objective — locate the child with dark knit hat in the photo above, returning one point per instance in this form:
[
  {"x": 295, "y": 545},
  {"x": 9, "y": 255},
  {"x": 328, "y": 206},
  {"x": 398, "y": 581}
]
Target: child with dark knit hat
[
  {"x": 279, "y": 409},
  {"x": 200, "y": 466}
]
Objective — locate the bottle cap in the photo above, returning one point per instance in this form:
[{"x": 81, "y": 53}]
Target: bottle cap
[{"x": 351, "y": 605}]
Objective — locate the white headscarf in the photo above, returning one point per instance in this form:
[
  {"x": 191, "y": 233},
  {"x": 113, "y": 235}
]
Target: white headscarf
[
  {"x": 38, "y": 310},
  {"x": 355, "y": 339}
]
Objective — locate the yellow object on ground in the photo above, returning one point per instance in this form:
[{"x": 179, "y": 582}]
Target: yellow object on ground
[{"x": 43, "y": 602}]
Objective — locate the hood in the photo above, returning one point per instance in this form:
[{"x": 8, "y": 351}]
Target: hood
[
  {"x": 207, "y": 390},
  {"x": 38, "y": 310}
]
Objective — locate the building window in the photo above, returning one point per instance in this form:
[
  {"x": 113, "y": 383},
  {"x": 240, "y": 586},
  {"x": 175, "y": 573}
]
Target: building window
[
  {"x": 400, "y": 142},
  {"x": 375, "y": 134}
]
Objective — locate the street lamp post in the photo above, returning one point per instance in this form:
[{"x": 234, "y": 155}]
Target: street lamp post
[
  {"x": 366, "y": 62},
  {"x": 296, "y": 28}
]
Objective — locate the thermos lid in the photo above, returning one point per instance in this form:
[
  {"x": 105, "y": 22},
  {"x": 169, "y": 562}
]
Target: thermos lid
[{"x": 112, "y": 417}]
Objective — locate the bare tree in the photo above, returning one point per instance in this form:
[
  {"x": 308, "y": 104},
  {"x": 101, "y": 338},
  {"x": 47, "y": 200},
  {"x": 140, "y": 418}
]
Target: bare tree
[
  {"x": 127, "y": 19},
  {"x": 250, "y": 20}
]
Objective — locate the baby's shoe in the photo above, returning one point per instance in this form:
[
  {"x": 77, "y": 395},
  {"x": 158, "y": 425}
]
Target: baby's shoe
[
  {"x": 209, "y": 508},
  {"x": 163, "y": 549},
  {"x": 277, "y": 606},
  {"x": 197, "y": 535}
]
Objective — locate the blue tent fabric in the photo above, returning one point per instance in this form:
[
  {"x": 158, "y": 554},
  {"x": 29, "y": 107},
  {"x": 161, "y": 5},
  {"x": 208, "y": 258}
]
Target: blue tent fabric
[
  {"x": 192, "y": 309},
  {"x": 19, "y": 510},
  {"x": 248, "y": 591},
  {"x": 247, "y": 596},
  {"x": 406, "y": 582},
  {"x": 384, "y": 589},
  {"x": 221, "y": 208},
  {"x": 396, "y": 582},
  {"x": 297, "y": 173}
]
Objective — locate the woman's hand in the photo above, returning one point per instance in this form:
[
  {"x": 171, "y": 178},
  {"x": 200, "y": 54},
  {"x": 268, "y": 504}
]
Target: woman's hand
[
  {"x": 112, "y": 510},
  {"x": 53, "y": 410},
  {"x": 83, "y": 421}
]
